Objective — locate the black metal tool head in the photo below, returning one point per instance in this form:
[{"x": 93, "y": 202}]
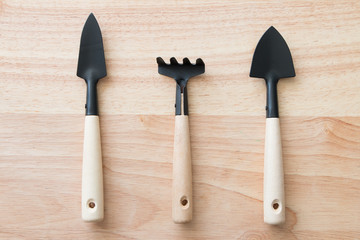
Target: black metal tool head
[
  {"x": 91, "y": 63},
  {"x": 272, "y": 60},
  {"x": 272, "y": 57},
  {"x": 181, "y": 73}
]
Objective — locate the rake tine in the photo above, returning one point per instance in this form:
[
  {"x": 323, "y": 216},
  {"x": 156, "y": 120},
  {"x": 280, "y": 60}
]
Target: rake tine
[
  {"x": 199, "y": 62},
  {"x": 160, "y": 61},
  {"x": 173, "y": 61},
  {"x": 186, "y": 61}
]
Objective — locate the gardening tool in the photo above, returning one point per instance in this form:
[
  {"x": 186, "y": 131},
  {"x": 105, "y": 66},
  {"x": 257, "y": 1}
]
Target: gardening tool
[
  {"x": 182, "y": 175},
  {"x": 272, "y": 61},
  {"x": 91, "y": 67}
]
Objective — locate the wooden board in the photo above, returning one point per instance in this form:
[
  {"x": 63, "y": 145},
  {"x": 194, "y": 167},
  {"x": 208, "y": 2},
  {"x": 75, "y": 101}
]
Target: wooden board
[{"x": 42, "y": 119}]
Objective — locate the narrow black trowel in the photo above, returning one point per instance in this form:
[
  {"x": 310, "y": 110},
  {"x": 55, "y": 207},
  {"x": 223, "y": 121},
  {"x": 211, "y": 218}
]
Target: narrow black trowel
[
  {"x": 272, "y": 60},
  {"x": 91, "y": 67}
]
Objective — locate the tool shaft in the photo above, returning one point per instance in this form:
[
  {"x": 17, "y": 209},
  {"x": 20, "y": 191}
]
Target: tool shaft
[
  {"x": 91, "y": 98},
  {"x": 272, "y": 109},
  {"x": 181, "y": 101}
]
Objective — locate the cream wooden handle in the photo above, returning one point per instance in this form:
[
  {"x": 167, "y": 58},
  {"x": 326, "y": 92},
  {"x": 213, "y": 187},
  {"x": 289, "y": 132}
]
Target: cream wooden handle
[
  {"x": 182, "y": 176},
  {"x": 92, "y": 176},
  {"x": 274, "y": 197}
]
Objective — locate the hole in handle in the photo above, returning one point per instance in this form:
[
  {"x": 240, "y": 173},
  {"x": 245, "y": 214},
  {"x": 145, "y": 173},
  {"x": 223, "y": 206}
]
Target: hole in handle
[
  {"x": 91, "y": 205},
  {"x": 276, "y": 206},
  {"x": 184, "y": 202}
]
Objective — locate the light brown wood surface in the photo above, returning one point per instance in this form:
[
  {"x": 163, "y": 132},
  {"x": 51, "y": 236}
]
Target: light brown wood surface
[{"x": 42, "y": 119}]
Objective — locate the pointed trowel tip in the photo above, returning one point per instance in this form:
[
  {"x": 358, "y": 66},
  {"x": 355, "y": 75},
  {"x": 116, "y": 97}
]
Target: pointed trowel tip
[
  {"x": 91, "y": 20},
  {"x": 91, "y": 17},
  {"x": 271, "y": 29},
  {"x": 91, "y": 33}
]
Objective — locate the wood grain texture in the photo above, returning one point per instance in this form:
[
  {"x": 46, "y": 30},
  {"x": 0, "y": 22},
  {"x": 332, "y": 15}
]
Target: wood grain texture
[{"x": 42, "y": 119}]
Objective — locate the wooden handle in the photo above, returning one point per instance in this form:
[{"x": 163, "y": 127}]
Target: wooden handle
[
  {"x": 92, "y": 176},
  {"x": 274, "y": 197},
  {"x": 182, "y": 176}
]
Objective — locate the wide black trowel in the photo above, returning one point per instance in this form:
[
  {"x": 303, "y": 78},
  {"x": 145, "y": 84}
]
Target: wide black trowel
[{"x": 272, "y": 60}]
